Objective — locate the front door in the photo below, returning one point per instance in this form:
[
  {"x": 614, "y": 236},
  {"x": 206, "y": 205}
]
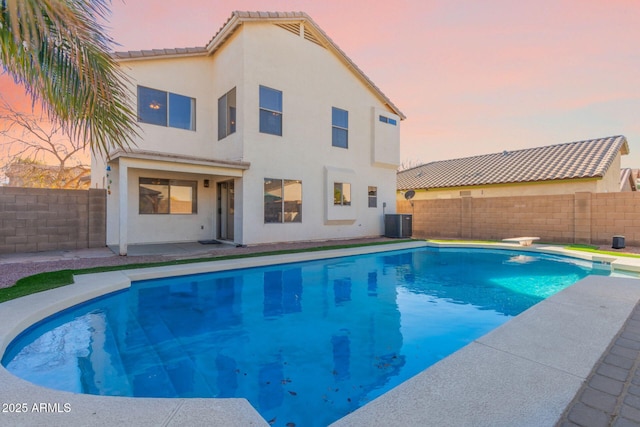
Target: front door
[{"x": 225, "y": 210}]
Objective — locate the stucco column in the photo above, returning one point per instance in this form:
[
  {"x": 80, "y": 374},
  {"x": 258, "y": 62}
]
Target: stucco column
[{"x": 123, "y": 211}]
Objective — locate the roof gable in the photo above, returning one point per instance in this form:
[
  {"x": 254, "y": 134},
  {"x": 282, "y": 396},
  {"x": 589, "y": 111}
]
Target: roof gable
[
  {"x": 287, "y": 20},
  {"x": 574, "y": 160}
]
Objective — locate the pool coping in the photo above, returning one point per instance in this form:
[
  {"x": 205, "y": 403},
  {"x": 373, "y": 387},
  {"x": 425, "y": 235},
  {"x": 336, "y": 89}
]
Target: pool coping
[{"x": 544, "y": 355}]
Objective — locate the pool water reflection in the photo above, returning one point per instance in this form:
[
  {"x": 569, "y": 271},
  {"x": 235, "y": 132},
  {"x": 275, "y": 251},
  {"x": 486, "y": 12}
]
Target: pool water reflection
[{"x": 305, "y": 343}]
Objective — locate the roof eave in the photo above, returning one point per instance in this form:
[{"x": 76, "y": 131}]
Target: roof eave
[
  {"x": 624, "y": 149},
  {"x": 223, "y": 34},
  {"x": 158, "y": 54},
  {"x": 238, "y": 18},
  {"x": 502, "y": 183}
]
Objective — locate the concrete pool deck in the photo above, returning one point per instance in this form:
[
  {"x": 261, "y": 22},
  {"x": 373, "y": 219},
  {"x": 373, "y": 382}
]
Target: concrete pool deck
[{"x": 526, "y": 372}]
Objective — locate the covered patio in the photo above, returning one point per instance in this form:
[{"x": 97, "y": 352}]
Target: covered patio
[{"x": 143, "y": 210}]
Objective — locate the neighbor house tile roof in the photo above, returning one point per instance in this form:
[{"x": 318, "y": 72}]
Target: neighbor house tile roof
[
  {"x": 627, "y": 178},
  {"x": 235, "y": 21},
  {"x": 573, "y": 160}
]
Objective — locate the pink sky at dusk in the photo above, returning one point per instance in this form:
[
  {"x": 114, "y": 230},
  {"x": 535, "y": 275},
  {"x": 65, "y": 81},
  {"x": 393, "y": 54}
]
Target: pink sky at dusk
[{"x": 472, "y": 77}]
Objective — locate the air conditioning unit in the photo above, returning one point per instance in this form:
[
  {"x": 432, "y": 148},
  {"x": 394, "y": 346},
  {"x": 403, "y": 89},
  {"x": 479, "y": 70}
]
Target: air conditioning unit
[{"x": 398, "y": 225}]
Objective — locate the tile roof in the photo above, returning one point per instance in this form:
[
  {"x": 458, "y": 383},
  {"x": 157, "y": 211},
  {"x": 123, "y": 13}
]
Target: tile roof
[
  {"x": 234, "y": 22},
  {"x": 627, "y": 177},
  {"x": 186, "y": 51},
  {"x": 573, "y": 160}
]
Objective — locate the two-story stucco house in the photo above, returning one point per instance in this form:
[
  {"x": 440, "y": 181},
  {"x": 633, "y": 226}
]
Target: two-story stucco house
[{"x": 269, "y": 133}]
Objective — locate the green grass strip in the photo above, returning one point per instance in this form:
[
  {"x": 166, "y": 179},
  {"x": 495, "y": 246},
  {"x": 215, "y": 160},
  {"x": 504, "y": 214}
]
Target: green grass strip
[
  {"x": 55, "y": 279},
  {"x": 37, "y": 283},
  {"x": 585, "y": 248}
]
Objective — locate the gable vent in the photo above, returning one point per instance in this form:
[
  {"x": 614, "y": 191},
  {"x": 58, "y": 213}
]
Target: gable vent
[
  {"x": 308, "y": 35},
  {"x": 292, "y": 27}
]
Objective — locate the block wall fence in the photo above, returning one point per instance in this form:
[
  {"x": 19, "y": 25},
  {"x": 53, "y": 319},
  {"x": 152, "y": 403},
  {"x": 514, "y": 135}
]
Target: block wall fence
[
  {"x": 43, "y": 219},
  {"x": 587, "y": 218}
]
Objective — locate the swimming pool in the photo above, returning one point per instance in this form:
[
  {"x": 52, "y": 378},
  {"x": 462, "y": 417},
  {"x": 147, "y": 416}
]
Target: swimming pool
[{"x": 374, "y": 329}]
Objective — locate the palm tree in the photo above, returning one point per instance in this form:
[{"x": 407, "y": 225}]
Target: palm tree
[{"x": 59, "y": 51}]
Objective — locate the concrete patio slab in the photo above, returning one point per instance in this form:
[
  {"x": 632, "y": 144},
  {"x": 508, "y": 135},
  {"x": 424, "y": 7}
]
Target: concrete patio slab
[
  {"x": 476, "y": 386},
  {"x": 171, "y": 249},
  {"x": 569, "y": 332}
]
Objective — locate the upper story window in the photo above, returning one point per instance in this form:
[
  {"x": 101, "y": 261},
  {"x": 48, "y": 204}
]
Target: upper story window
[
  {"x": 227, "y": 114},
  {"x": 340, "y": 127},
  {"x": 161, "y": 108},
  {"x": 341, "y": 194},
  {"x": 385, "y": 119},
  {"x": 270, "y": 111}
]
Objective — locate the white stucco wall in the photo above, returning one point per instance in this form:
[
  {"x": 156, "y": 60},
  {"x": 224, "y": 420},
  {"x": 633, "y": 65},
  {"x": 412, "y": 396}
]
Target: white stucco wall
[{"x": 313, "y": 80}]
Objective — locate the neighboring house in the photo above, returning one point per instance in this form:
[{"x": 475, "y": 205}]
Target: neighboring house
[
  {"x": 628, "y": 180},
  {"x": 269, "y": 133},
  {"x": 589, "y": 166}
]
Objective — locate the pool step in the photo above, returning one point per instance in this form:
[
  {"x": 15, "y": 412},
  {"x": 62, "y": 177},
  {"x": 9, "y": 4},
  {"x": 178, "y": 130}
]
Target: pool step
[
  {"x": 100, "y": 370},
  {"x": 143, "y": 364},
  {"x": 155, "y": 361},
  {"x": 179, "y": 367}
]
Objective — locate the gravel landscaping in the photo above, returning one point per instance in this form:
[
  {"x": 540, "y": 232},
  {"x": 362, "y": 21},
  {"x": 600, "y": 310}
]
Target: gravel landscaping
[{"x": 15, "y": 267}]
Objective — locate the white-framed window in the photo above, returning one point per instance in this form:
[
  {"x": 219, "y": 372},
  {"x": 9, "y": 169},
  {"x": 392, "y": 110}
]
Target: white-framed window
[
  {"x": 341, "y": 194},
  {"x": 282, "y": 200},
  {"x": 158, "y": 107},
  {"x": 373, "y": 197},
  {"x": 167, "y": 196},
  {"x": 270, "y": 111},
  {"x": 227, "y": 114},
  {"x": 339, "y": 127}
]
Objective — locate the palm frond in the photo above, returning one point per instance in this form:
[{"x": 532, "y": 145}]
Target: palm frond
[{"x": 59, "y": 51}]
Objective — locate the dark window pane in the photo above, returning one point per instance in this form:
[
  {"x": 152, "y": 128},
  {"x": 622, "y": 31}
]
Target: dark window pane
[
  {"x": 232, "y": 120},
  {"x": 339, "y": 138},
  {"x": 340, "y": 117},
  {"x": 152, "y": 106},
  {"x": 270, "y": 122},
  {"x": 231, "y": 111},
  {"x": 181, "y": 110},
  {"x": 383, "y": 119},
  {"x": 392, "y": 122},
  {"x": 227, "y": 114},
  {"x": 270, "y": 99},
  {"x": 222, "y": 117}
]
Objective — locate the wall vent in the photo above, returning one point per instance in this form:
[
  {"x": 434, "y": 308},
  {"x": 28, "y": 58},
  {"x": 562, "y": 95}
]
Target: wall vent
[
  {"x": 294, "y": 28},
  {"x": 291, "y": 27},
  {"x": 308, "y": 35}
]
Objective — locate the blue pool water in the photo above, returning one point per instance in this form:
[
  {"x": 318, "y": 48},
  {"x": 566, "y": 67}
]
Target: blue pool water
[{"x": 305, "y": 343}]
